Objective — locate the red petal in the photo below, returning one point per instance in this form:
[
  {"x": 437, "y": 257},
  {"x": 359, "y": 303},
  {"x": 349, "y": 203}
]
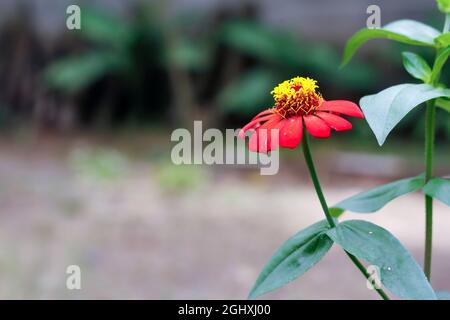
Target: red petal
[
  {"x": 335, "y": 122},
  {"x": 275, "y": 136},
  {"x": 267, "y": 111},
  {"x": 317, "y": 127},
  {"x": 253, "y": 142},
  {"x": 255, "y": 122},
  {"x": 291, "y": 132},
  {"x": 342, "y": 106},
  {"x": 261, "y": 140}
]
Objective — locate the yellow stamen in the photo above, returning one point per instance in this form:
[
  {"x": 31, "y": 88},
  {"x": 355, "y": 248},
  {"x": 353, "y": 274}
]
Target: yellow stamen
[{"x": 296, "y": 96}]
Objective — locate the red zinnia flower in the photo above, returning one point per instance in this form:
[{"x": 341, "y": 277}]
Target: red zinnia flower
[{"x": 298, "y": 103}]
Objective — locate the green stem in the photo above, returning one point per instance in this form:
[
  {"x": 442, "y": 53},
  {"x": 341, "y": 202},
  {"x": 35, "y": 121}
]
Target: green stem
[
  {"x": 315, "y": 180},
  {"x": 430, "y": 124},
  {"x": 446, "y": 23},
  {"x": 430, "y": 120},
  {"x": 326, "y": 211}
]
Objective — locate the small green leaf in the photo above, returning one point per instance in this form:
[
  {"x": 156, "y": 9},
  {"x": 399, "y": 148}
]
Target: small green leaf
[
  {"x": 444, "y": 5},
  {"x": 440, "y": 61},
  {"x": 443, "y": 104},
  {"x": 443, "y": 40},
  {"x": 399, "y": 272},
  {"x": 296, "y": 256},
  {"x": 384, "y": 110},
  {"x": 438, "y": 188},
  {"x": 416, "y": 66},
  {"x": 336, "y": 211},
  {"x": 376, "y": 198},
  {"x": 404, "y": 31}
]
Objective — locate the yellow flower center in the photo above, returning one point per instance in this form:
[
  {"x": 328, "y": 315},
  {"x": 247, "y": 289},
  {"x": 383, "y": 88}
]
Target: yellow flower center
[{"x": 296, "y": 96}]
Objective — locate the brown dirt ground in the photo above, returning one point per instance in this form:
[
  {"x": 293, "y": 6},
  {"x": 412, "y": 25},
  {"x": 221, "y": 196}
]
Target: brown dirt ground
[{"x": 133, "y": 238}]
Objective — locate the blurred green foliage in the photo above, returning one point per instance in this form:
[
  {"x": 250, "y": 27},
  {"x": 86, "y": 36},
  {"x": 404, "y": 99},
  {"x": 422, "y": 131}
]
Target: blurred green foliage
[
  {"x": 155, "y": 59},
  {"x": 188, "y": 55},
  {"x": 76, "y": 73},
  {"x": 281, "y": 56},
  {"x": 113, "y": 38},
  {"x": 248, "y": 94}
]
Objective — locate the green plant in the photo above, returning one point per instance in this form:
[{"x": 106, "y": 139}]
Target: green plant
[
  {"x": 387, "y": 108},
  {"x": 282, "y": 126},
  {"x": 299, "y": 110}
]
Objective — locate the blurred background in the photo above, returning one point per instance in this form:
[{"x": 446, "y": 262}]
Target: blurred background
[{"x": 85, "y": 171}]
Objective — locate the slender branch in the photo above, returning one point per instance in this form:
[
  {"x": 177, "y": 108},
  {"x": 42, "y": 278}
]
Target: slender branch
[
  {"x": 326, "y": 210},
  {"x": 430, "y": 124},
  {"x": 430, "y": 120},
  {"x": 363, "y": 270},
  {"x": 446, "y": 23},
  {"x": 315, "y": 180}
]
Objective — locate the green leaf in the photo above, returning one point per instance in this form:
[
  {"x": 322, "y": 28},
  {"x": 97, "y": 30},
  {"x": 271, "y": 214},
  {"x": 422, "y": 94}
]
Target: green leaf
[
  {"x": 414, "y": 30},
  {"x": 416, "y": 66},
  {"x": 385, "y": 109},
  {"x": 443, "y": 295},
  {"x": 399, "y": 272},
  {"x": 440, "y": 61},
  {"x": 376, "y": 198},
  {"x": 444, "y": 6},
  {"x": 443, "y": 104},
  {"x": 443, "y": 40},
  {"x": 296, "y": 256},
  {"x": 404, "y": 31},
  {"x": 438, "y": 188}
]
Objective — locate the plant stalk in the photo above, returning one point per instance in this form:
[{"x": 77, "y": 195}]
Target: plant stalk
[
  {"x": 326, "y": 211},
  {"x": 430, "y": 119},
  {"x": 430, "y": 124},
  {"x": 446, "y": 23}
]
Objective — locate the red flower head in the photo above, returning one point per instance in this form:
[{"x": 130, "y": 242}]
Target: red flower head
[{"x": 296, "y": 103}]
